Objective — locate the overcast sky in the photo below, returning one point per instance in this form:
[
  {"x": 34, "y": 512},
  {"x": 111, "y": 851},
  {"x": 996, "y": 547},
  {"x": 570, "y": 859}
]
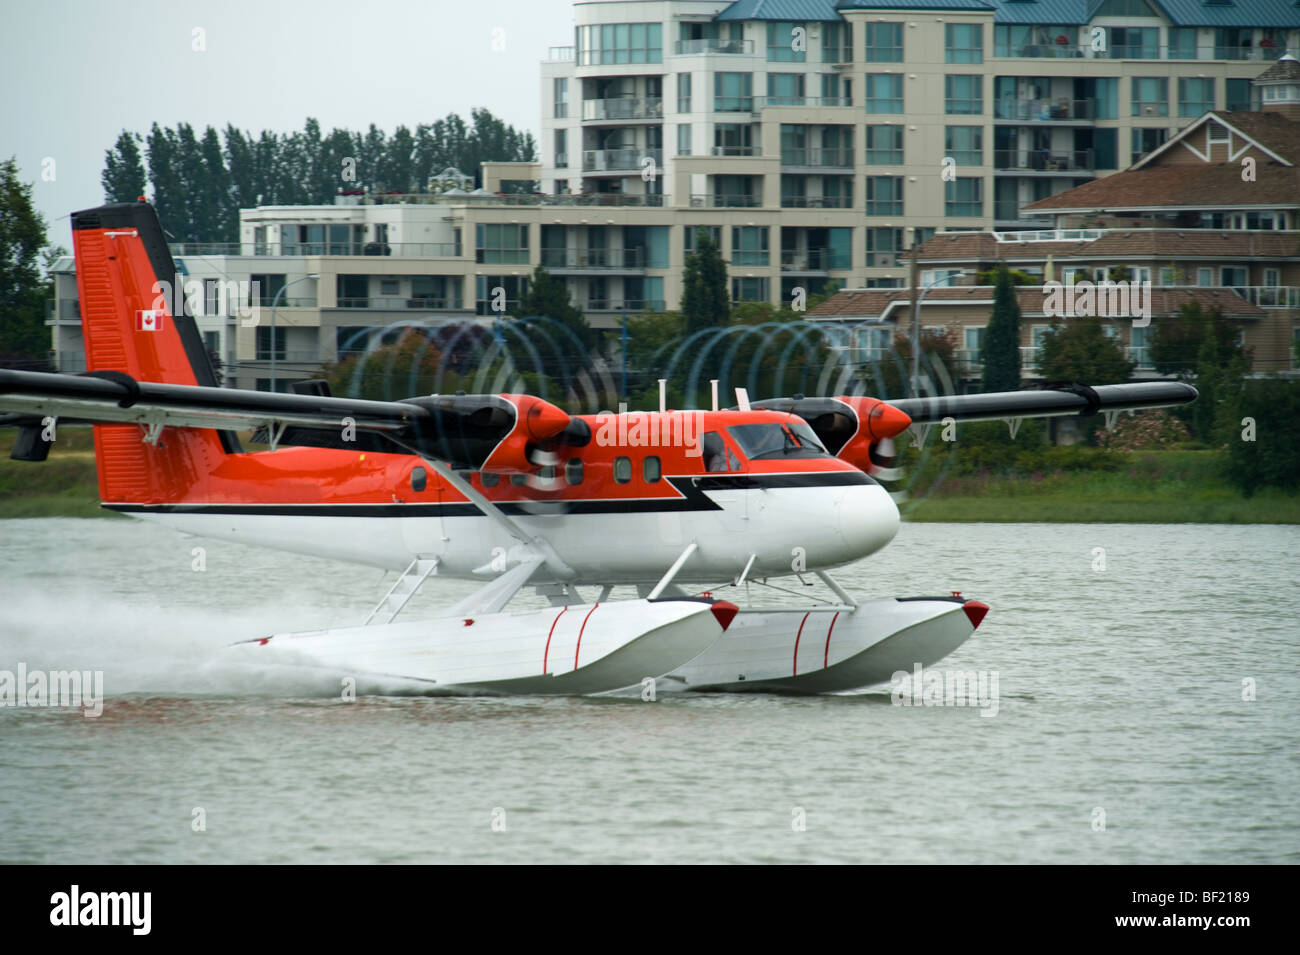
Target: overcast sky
[{"x": 77, "y": 72}]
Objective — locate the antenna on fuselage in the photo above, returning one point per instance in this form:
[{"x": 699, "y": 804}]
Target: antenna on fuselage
[
  {"x": 663, "y": 395},
  {"x": 742, "y": 399},
  {"x": 714, "y": 383}
]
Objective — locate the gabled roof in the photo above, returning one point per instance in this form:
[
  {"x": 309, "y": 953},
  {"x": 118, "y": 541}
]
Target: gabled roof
[
  {"x": 795, "y": 11},
  {"x": 1286, "y": 68},
  {"x": 976, "y": 5},
  {"x": 1047, "y": 12},
  {"x": 1166, "y": 244},
  {"x": 1230, "y": 13},
  {"x": 884, "y": 303},
  {"x": 1213, "y": 186}
]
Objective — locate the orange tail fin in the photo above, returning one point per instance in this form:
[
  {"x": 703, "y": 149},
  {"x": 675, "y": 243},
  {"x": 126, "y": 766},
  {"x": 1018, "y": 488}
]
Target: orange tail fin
[{"x": 134, "y": 320}]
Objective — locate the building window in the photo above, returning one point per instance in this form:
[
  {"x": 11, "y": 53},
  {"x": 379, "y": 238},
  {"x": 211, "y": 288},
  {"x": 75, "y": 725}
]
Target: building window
[
  {"x": 733, "y": 92},
  {"x": 884, "y": 195},
  {"x": 963, "y": 43},
  {"x": 1182, "y": 43},
  {"x": 1145, "y": 140},
  {"x": 749, "y": 246},
  {"x": 964, "y": 196},
  {"x": 964, "y": 144},
  {"x": 884, "y": 92},
  {"x": 683, "y": 92},
  {"x": 1134, "y": 43},
  {"x": 487, "y": 296},
  {"x": 1195, "y": 95},
  {"x": 963, "y": 94},
  {"x": 1205, "y": 277},
  {"x": 607, "y": 43},
  {"x": 733, "y": 139},
  {"x": 1055, "y": 40},
  {"x": 785, "y": 89},
  {"x": 1150, "y": 96},
  {"x": 561, "y": 187},
  {"x": 689, "y": 233},
  {"x": 837, "y": 42},
  {"x": 561, "y": 148},
  {"x": 884, "y": 42},
  {"x": 884, "y": 145},
  {"x": 502, "y": 244},
  {"x": 749, "y": 289},
  {"x": 1237, "y": 94},
  {"x": 883, "y": 247},
  {"x": 264, "y": 343},
  {"x": 1233, "y": 277},
  {"x": 561, "y": 91},
  {"x": 683, "y": 139},
  {"x": 781, "y": 43}
]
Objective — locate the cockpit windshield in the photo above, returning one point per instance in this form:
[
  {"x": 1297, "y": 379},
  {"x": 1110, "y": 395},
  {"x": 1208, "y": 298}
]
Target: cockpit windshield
[{"x": 766, "y": 441}]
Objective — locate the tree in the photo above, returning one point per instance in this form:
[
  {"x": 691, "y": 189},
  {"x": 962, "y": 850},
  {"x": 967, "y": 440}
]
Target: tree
[
  {"x": 1000, "y": 350},
  {"x": 123, "y": 176},
  {"x": 1081, "y": 351},
  {"x": 24, "y": 339},
  {"x": 564, "y": 350},
  {"x": 705, "y": 302},
  {"x": 1268, "y": 454},
  {"x": 1176, "y": 340}
]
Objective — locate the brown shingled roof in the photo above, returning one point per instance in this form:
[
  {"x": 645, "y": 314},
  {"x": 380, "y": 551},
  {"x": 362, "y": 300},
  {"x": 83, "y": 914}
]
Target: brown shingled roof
[
  {"x": 1181, "y": 186},
  {"x": 982, "y": 247},
  {"x": 876, "y": 302}
]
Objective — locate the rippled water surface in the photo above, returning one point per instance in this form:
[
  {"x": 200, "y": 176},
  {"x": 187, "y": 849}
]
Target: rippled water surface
[{"x": 1121, "y": 692}]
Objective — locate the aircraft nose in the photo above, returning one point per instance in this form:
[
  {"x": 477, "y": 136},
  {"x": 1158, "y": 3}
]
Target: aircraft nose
[{"x": 867, "y": 518}]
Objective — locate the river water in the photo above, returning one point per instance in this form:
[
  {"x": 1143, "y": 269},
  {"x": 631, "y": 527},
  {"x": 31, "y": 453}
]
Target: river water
[{"x": 1124, "y": 730}]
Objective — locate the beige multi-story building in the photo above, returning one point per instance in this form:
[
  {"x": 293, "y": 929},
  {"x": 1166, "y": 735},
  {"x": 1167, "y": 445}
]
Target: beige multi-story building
[{"x": 816, "y": 140}]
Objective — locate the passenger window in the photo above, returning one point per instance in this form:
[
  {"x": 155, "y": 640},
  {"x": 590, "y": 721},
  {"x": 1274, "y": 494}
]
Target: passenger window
[
  {"x": 714, "y": 452},
  {"x": 651, "y": 469},
  {"x": 419, "y": 479},
  {"x": 519, "y": 480},
  {"x": 573, "y": 471},
  {"x": 489, "y": 478},
  {"x": 622, "y": 470}
]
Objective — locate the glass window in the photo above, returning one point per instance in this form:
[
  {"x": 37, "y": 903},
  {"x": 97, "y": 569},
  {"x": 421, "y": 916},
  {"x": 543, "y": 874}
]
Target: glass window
[
  {"x": 1145, "y": 140},
  {"x": 1182, "y": 43},
  {"x": 884, "y": 42},
  {"x": 1134, "y": 43},
  {"x": 561, "y": 148},
  {"x": 619, "y": 43},
  {"x": 561, "y": 92},
  {"x": 749, "y": 246},
  {"x": 733, "y": 92},
  {"x": 683, "y": 139},
  {"x": 963, "y": 94},
  {"x": 884, "y": 195},
  {"x": 622, "y": 470},
  {"x": 885, "y": 145},
  {"x": 419, "y": 479},
  {"x": 750, "y": 289},
  {"x": 837, "y": 43},
  {"x": 1150, "y": 96},
  {"x": 519, "y": 480},
  {"x": 652, "y": 469},
  {"x": 489, "y": 478},
  {"x": 573, "y": 471},
  {"x": 683, "y": 92},
  {"x": 781, "y": 42},
  {"x": 1195, "y": 95},
  {"x": 505, "y": 244},
  {"x": 883, "y": 247},
  {"x": 963, "y": 43},
  {"x": 884, "y": 92},
  {"x": 964, "y": 196},
  {"x": 762, "y": 441},
  {"x": 1237, "y": 94},
  {"x": 689, "y": 232},
  {"x": 965, "y": 144},
  {"x": 785, "y": 89}
]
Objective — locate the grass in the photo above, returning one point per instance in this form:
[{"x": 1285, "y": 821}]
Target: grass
[{"x": 1162, "y": 487}]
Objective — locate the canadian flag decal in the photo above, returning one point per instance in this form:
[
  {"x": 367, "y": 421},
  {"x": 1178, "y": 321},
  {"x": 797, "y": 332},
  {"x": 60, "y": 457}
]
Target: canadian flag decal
[{"x": 149, "y": 320}]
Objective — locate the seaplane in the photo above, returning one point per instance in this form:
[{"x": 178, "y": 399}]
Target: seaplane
[{"x": 513, "y": 492}]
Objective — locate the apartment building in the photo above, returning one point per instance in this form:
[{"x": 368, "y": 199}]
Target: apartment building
[{"x": 815, "y": 140}]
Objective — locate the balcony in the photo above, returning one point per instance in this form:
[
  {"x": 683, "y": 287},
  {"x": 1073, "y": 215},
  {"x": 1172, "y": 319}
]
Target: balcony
[
  {"x": 1046, "y": 110},
  {"x": 618, "y": 160},
  {"x": 812, "y": 260},
  {"x": 750, "y": 258},
  {"x": 737, "y": 151},
  {"x": 839, "y": 158},
  {"x": 1042, "y": 160},
  {"x": 288, "y": 357},
  {"x": 720, "y": 201},
  {"x": 805, "y": 101},
  {"x": 710, "y": 47},
  {"x": 1271, "y": 296},
  {"x": 559, "y": 54},
  {"x": 735, "y": 104},
  {"x": 1143, "y": 108},
  {"x": 626, "y": 305},
  {"x": 817, "y": 202},
  {"x": 426, "y": 303},
  {"x": 579, "y": 260},
  {"x": 426, "y": 250},
  {"x": 1138, "y": 52},
  {"x": 623, "y": 108}
]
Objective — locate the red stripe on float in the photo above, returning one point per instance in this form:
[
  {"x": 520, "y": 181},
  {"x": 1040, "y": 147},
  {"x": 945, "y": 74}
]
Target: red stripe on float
[
  {"x": 796, "y": 644},
  {"x": 547, "y": 653},
  {"x": 580, "y": 632},
  {"x": 826, "y": 657}
]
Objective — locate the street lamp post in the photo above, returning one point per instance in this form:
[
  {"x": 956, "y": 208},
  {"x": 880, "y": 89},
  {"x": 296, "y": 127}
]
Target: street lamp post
[{"x": 274, "y": 303}]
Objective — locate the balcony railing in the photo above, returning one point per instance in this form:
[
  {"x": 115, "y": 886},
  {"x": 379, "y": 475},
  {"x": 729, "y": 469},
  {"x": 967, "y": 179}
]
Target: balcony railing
[
  {"x": 750, "y": 258},
  {"x": 762, "y": 101},
  {"x": 624, "y": 107},
  {"x": 1044, "y": 110},
  {"x": 626, "y": 305},
  {"x": 1150, "y": 108},
  {"x": 1139, "y": 52},
  {"x": 1036, "y": 160},
  {"x": 837, "y": 157},
  {"x": 813, "y": 260},
  {"x": 1271, "y": 296},
  {"x": 395, "y": 302},
  {"x": 293, "y": 357},
  {"x": 735, "y": 104},
  {"x": 737, "y": 151},
  {"x": 559, "y": 53},
  {"x": 429, "y": 250},
  {"x": 1030, "y": 356},
  {"x": 618, "y": 160},
  {"x": 721, "y": 201},
  {"x": 711, "y": 46},
  {"x": 817, "y": 202},
  {"x": 593, "y": 258}
]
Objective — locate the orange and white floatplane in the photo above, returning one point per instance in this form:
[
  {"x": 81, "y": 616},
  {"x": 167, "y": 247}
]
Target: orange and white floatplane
[{"x": 512, "y": 491}]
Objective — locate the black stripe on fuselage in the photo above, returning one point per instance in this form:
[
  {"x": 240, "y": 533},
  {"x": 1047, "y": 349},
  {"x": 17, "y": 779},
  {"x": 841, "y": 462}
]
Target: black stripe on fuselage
[{"x": 692, "y": 490}]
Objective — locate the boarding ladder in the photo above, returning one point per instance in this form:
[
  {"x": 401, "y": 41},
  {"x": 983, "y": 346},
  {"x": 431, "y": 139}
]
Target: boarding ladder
[{"x": 403, "y": 589}]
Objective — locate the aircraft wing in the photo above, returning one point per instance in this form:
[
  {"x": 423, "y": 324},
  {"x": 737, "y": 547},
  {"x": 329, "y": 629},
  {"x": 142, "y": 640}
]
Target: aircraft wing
[
  {"x": 466, "y": 431},
  {"x": 1047, "y": 402}
]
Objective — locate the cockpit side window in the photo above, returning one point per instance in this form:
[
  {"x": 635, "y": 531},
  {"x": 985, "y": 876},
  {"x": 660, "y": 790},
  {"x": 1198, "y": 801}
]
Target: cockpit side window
[{"x": 714, "y": 452}]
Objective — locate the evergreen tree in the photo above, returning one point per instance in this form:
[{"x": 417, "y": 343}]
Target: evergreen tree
[
  {"x": 1177, "y": 340},
  {"x": 563, "y": 351},
  {"x": 705, "y": 302},
  {"x": 24, "y": 339},
  {"x": 1081, "y": 351},
  {"x": 123, "y": 175},
  {"x": 1000, "y": 350}
]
